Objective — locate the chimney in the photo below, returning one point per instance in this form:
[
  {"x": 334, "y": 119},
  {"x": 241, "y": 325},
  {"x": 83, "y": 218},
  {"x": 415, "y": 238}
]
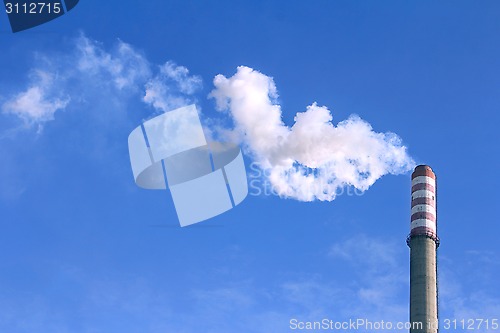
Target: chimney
[{"x": 423, "y": 242}]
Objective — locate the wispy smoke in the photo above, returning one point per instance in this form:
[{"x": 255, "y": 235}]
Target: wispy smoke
[
  {"x": 39, "y": 101},
  {"x": 91, "y": 72},
  {"x": 169, "y": 89},
  {"x": 314, "y": 158},
  {"x": 123, "y": 66}
]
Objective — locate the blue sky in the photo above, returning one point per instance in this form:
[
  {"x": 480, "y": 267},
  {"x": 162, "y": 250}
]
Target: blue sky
[{"x": 83, "y": 249}]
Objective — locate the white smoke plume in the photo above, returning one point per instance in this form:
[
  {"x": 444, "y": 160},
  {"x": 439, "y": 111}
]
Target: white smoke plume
[{"x": 314, "y": 158}]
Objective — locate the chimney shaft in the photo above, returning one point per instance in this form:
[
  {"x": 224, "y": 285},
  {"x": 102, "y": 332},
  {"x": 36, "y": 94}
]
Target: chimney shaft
[{"x": 423, "y": 242}]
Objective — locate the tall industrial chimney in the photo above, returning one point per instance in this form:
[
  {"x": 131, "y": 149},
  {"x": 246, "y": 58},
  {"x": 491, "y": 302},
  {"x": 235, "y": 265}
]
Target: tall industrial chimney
[{"x": 423, "y": 242}]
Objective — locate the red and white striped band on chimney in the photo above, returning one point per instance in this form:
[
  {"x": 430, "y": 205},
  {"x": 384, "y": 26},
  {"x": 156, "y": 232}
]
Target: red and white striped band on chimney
[{"x": 423, "y": 203}]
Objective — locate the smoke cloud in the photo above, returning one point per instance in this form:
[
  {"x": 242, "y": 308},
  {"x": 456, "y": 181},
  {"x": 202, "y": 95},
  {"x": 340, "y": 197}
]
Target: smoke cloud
[{"x": 314, "y": 158}]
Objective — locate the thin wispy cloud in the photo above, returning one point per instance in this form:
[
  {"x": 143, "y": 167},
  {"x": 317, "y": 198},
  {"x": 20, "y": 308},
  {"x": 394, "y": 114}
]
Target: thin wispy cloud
[
  {"x": 91, "y": 72},
  {"x": 380, "y": 273},
  {"x": 161, "y": 90},
  {"x": 89, "y": 92},
  {"x": 40, "y": 101},
  {"x": 366, "y": 251},
  {"x": 468, "y": 288},
  {"x": 123, "y": 65},
  {"x": 243, "y": 305}
]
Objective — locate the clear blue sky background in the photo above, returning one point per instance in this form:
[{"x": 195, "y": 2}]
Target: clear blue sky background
[{"x": 82, "y": 249}]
